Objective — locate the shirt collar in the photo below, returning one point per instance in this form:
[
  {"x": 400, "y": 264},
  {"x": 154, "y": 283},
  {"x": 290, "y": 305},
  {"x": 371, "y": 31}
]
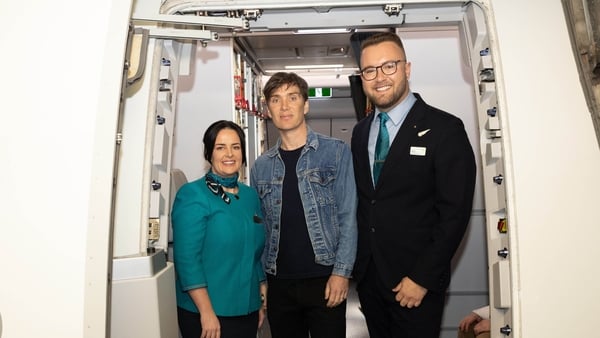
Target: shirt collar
[{"x": 399, "y": 112}]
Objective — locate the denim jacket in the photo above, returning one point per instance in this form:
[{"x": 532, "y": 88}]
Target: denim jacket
[{"x": 328, "y": 192}]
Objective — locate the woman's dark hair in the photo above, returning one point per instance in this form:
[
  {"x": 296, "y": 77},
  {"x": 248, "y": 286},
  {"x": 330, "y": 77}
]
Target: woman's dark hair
[
  {"x": 285, "y": 79},
  {"x": 210, "y": 137}
]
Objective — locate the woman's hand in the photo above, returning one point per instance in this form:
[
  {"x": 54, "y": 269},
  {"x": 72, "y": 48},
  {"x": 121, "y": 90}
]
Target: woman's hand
[
  {"x": 211, "y": 327},
  {"x": 262, "y": 312}
]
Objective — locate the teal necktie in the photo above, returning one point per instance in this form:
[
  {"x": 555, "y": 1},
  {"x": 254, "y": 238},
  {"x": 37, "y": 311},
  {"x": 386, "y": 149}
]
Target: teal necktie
[{"x": 382, "y": 146}]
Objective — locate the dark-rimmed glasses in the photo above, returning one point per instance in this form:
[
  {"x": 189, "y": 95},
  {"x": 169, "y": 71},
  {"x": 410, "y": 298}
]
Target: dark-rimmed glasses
[{"x": 387, "y": 68}]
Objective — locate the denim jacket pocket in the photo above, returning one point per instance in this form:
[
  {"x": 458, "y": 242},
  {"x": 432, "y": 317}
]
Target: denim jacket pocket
[
  {"x": 264, "y": 192},
  {"x": 321, "y": 182}
]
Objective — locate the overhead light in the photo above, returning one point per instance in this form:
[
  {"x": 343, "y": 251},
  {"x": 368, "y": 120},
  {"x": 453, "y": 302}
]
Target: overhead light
[
  {"x": 314, "y": 66},
  {"x": 322, "y": 31}
]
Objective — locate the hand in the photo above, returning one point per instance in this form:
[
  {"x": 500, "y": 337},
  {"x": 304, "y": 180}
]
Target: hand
[
  {"x": 467, "y": 321},
  {"x": 482, "y": 326},
  {"x": 211, "y": 328},
  {"x": 336, "y": 290},
  {"x": 262, "y": 314},
  {"x": 408, "y": 293}
]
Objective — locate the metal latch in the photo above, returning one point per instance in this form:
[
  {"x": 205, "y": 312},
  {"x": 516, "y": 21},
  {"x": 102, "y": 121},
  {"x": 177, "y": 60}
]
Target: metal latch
[
  {"x": 153, "y": 229},
  {"x": 392, "y": 9},
  {"x": 506, "y": 330},
  {"x": 252, "y": 14}
]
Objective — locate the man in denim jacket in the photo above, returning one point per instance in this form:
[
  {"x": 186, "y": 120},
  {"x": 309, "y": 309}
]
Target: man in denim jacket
[{"x": 308, "y": 196}]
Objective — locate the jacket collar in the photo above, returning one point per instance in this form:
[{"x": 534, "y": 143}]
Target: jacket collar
[{"x": 312, "y": 141}]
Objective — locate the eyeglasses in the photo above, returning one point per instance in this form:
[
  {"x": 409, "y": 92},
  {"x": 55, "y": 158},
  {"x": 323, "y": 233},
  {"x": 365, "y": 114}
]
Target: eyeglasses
[{"x": 388, "y": 68}]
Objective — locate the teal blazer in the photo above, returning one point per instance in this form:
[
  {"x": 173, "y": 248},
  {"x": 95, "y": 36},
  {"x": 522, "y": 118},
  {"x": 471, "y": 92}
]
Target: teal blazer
[{"x": 218, "y": 246}]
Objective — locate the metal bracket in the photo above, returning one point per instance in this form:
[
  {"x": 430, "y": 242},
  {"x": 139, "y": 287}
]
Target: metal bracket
[
  {"x": 392, "y": 9},
  {"x": 186, "y": 26},
  {"x": 137, "y": 47},
  {"x": 192, "y": 20},
  {"x": 252, "y": 14},
  {"x": 153, "y": 229}
]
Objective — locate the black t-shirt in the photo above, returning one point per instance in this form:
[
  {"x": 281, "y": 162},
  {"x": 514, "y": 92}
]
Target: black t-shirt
[{"x": 296, "y": 258}]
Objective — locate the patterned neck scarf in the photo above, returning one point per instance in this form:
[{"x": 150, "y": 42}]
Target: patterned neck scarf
[{"x": 216, "y": 183}]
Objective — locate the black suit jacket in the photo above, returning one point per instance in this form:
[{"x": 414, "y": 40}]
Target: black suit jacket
[{"x": 413, "y": 221}]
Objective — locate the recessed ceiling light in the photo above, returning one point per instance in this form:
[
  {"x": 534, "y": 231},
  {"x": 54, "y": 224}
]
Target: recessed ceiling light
[
  {"x": 314, "y": 66},
  {"x": 322, "y": 31}
]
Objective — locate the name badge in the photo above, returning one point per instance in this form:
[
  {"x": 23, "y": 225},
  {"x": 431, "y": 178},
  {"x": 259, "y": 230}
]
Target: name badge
[{"x": 418, "y": 151}]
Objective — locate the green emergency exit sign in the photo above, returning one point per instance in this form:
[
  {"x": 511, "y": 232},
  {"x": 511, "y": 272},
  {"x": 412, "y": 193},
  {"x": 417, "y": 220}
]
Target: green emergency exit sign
[{"x": 319, "y": 92}]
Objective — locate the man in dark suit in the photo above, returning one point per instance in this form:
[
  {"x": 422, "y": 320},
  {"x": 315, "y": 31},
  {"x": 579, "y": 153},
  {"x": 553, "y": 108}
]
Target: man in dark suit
[{"x": 411, "y": 218}]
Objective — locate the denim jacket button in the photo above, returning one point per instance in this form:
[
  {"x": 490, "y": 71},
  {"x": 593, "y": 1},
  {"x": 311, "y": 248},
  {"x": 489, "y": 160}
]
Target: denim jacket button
[
  {"x": 373, "y": 201},
  {"x": 372, "y": 229}
]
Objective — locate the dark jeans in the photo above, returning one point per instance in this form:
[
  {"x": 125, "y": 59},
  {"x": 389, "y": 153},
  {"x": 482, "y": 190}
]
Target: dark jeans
[
  {"x": 296, "y": 307},
  {"x": 387, "y": 319},
  {"x": 231, "y": 327}
]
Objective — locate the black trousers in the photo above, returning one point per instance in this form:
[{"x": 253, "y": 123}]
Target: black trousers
[
  {"x": 297, "y": 307},
  {"x": 231, "y": 327},
  {"x": 387, "y": 319}
]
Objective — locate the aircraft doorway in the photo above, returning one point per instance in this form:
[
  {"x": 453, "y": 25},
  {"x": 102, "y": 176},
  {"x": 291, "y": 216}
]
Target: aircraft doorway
[{"x": 450, "y": 52}]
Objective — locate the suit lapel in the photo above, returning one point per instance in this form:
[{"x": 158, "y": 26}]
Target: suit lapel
[{"x": 362, "y": 163}]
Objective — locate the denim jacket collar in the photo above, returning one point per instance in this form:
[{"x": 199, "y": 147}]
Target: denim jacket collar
[{"x": 312, "y": 141}]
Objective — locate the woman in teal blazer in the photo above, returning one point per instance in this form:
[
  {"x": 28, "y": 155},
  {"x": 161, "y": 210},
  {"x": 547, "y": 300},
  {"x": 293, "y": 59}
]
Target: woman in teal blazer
[{"x": 218, "y": 240}]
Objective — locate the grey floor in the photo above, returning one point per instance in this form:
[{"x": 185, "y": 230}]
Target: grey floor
[{"x": 355, "y": 322}]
